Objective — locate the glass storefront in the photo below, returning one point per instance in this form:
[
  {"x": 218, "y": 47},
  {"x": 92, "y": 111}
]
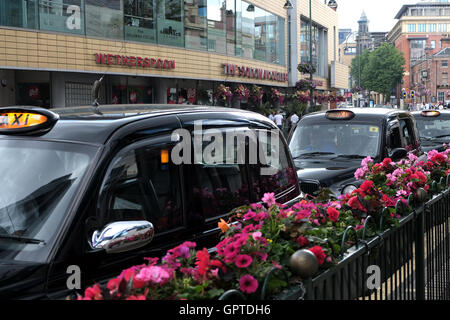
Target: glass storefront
[
  {"x": 231, "y": 27},
  {"x": 139, "y": 21},
  {"x": 19, "y": 13},
  {"x": 305, "y": 44},
  {"x": 62, "y": 16}
]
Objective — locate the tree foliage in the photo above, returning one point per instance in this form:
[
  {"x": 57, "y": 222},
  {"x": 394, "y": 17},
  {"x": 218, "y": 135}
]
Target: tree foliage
[{"x": 380, "y": 70}]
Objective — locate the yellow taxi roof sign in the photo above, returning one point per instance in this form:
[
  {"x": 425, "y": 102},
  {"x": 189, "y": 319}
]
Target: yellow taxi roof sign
[{"x": 20, "y": 120}]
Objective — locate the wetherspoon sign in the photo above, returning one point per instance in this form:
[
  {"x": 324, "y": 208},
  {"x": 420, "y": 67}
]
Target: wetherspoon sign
[
  {"x": 253, "y": 73},
  {"x": 134, "y": 61}
]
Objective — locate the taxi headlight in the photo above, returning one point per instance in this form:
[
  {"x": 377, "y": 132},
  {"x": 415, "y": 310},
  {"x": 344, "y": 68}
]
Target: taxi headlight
[{"x": 349, "y": 189}]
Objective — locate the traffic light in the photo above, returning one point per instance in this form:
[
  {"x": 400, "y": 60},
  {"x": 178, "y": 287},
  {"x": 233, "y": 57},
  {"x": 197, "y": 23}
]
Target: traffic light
[
  {"x": 403, "y": 94},
  {"x": 412, "y": 94}
]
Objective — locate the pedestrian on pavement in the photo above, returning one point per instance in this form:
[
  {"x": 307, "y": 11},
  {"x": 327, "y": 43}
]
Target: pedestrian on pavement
[
  {"x": 271, "y": 116},
  {"x": 278, "y": 119},
  {"x": 294, "y": 119}
]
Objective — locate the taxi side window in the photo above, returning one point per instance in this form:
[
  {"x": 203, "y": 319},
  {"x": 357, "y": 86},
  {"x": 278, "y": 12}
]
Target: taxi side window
[
  {"x": 143, "y": 185},
  {"x": 394, "y": 138},
  {"x": 407, "y": 133},
  {"x": 280, "y": 177}
]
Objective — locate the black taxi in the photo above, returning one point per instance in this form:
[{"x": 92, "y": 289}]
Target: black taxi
[
  {"x": 328, "y": 146},
  {"x": 434, "y": 128},
  {"x": 97, "y": 189}
]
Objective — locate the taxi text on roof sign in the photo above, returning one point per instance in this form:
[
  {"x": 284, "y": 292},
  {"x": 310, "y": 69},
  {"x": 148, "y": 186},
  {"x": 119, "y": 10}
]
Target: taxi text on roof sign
[
  {"x": 18, "y": 120},
  {"x": 15, "y": 120}
]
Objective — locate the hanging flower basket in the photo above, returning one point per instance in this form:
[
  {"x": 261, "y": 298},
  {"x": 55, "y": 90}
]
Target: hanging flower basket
[
  {"x": 301, "y": 96},
  {"x": 256, "y": 94},
  {"x": 241, "y": 92},
  {"x": 306, "y": 68},
  {"x": 305, "y": 84},
  {"x": 223, "y": 94},
  {"x": 277, "y": 97}
]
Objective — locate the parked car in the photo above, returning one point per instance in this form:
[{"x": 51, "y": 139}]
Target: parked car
[
  {"x": 97, "y": 188},
  {"x": 434, "y": 128},
  {"x": 328, "y": 146}
]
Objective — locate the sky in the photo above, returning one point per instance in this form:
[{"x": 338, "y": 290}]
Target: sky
[{"x": 380, "y": 13}]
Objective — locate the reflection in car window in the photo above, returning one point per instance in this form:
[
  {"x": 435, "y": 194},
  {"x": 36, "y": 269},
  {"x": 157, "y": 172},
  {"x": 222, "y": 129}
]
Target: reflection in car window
[
  {"x": 141, "y": 185},
  {"x": 37, "y": 185},
  {"x": 341, "y": 139}
]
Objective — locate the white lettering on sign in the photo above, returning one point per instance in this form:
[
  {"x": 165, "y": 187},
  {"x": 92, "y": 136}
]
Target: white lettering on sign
[{"x": 74, "y": 21}]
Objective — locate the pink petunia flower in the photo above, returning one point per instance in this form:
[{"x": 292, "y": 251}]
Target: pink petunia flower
[
  {"x": 243, "y": 261},
  {"x": 248, "y": 284}
]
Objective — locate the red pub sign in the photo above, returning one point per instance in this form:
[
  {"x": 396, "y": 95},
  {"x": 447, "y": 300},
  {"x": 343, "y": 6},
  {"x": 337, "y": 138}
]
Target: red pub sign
[
  {"x": 253, "y": 73},
  {"x": 134, "y": 61}
]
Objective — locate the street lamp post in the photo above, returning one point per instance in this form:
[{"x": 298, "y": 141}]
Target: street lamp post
[{"x": 288, "y": 6}]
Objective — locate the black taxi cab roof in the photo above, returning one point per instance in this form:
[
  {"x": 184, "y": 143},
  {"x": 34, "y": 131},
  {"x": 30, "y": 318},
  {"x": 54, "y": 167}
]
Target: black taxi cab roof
[{"x": 96, "y": 124}]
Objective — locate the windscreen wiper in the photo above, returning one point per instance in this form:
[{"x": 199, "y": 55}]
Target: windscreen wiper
[
  {"x": 350, "y": 156},
  {"x": 442, "y": 136},
  {"x": 22, "y": 239},
  {"x": 317, "y": 153}
]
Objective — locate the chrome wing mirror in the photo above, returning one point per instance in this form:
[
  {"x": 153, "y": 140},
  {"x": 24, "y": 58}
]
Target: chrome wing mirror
[{"x": 123, "y": 236}]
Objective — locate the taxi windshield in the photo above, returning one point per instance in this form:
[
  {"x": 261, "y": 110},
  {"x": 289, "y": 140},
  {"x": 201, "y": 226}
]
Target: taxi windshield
[
  {"x": 356, "y": 140},
  {"x": 38, "y": 182},
  {"x": 434, "y": 127}
]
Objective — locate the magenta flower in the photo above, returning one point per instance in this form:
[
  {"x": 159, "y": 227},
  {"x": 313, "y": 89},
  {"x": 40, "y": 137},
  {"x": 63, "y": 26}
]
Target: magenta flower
[
  {"x": 243, "y": 261},
  {"x": 230, "y": 251},
  {"x": 249, "y": 215},
  {"x": 248, "y": 284},
  {"x": 153, "y": 274},
  {"x": 269, "y": 198}
]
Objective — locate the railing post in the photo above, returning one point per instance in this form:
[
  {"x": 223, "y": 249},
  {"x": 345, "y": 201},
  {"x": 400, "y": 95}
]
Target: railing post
[{"x": 420, "y": 255}]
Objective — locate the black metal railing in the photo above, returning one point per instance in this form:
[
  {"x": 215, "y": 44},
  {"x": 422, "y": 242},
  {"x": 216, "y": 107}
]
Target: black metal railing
[{"x": 410, "y": 261}]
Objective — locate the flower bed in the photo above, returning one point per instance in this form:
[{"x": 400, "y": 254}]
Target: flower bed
[{"x": 260, "y": 238}]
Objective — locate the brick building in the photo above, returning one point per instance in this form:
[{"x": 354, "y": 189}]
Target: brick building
[
  {"x": 420, "y": 34},
  {"x": 430, "y": 76}
]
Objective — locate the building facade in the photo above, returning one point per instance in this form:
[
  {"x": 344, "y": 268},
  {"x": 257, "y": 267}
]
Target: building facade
[
  {"x": 420, "y": 34},
  {"x": 152, "y": 51}
]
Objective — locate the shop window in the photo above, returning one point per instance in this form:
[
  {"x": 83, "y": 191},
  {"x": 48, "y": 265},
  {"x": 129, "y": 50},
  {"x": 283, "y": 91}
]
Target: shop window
[
  {"x": 33, "y": 94},
  {"x": 131, "y": 94},
  {"x": 62, "y": 15},
  {"x": 195, "y": 24},
  {"x": 216, "y": 14},
  {"x": 170, "y": 24},
  {"x": 104, "y": 18},
  {"x": 139, "y": 20},
  {"x": 19, "y": 13}
]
